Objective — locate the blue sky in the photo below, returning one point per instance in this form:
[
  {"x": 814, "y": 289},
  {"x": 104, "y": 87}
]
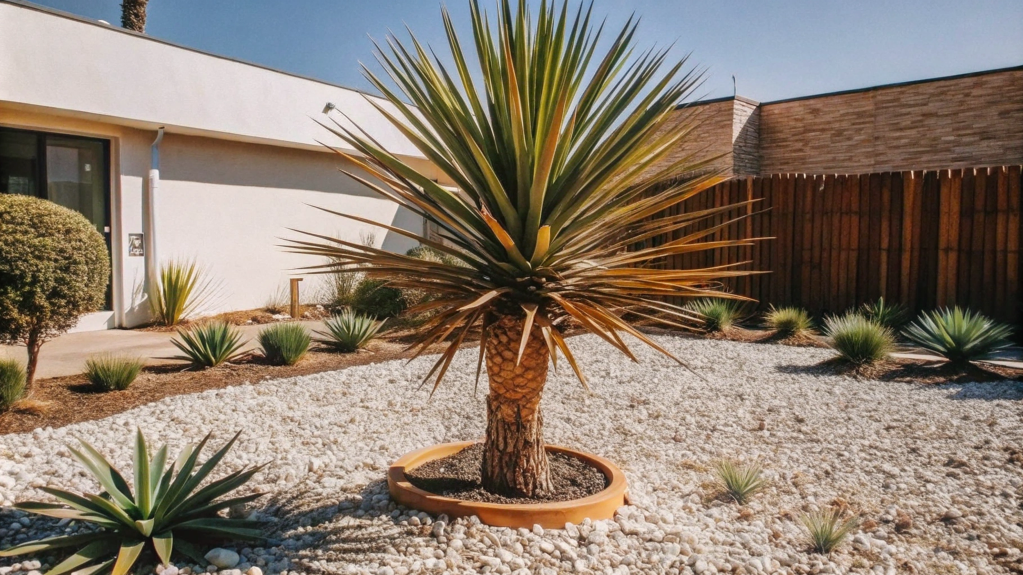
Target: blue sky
[{"x": 776, "y": 49}]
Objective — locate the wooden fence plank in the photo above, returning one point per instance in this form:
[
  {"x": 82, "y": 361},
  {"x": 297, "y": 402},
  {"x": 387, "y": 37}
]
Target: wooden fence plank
[
  {"x": 1001, "y": 239},
  {"x": 895, "y": 240},
  {"x": 975, "y": 298},
  {"x": 966, "y": 203}
]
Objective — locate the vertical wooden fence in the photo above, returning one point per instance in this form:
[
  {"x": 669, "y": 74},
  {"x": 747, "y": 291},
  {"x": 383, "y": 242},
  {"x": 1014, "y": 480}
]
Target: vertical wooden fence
[{"x": 925, "y": 239}]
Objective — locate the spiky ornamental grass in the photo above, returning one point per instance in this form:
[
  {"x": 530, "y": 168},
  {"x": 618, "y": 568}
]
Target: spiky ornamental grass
[
  {"x": 349, "y": 331},
  {"x": 959, "y": 336},
  {"x": 740, "y": 481},
  {"x": 788, "y": 321},
  {"x": 555, "y": 147},
  {"x": 284, "y": 343},
  {"x": 890, "y": 315},
  {"x": 717, "y": 314},
  {"x": 209, "y": 344},
  {"x": 184, "y": 287},
  {"x": 12, "y": 383},
  {"x": 166, "y": 512},
  {"x": 112, "y": 372},
  {"x": 827, "y": 529},
  {"x": 857, "y": 339}
]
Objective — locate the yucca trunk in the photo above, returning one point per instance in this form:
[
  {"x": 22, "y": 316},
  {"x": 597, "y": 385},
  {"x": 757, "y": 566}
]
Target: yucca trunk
[{"x": 514, "y": 460}]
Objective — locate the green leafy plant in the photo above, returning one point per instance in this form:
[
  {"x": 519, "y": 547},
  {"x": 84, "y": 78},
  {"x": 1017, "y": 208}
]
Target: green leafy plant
[
  {"x": 958, "y": 335},
  {"x": 857, "y": 339},
  {"x": 209, "y": 344},
  {"x": 184, "y": 287},
  {"x": 718, "y": 314},
  {"x": 284, "y": 343},
  {"x": 12, "y": 383},
  {"x": 827, "y": 529},
  {"x": 890, "y": 315},
  {"x": 167, "y": 512},
  {"x": 788, "y": 321},
  {"x": 54, "y": 268},
  {"x": 349, "y": 331},
  {"x": 740, "y": 482},
  {"x": 555, "y": 143},
  {"x": 112, "y": 372},
  {"x": 375, "y": 298}
]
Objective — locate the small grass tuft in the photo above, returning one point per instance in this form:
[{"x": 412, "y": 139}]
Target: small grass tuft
[
  {"x": 788, "y": 321},
  {"x": 209, "y": 344},
  {"x": 112, "y": 372},
  {"x": 349, "y": 331},
  {"x": 958, "y": 335},
  {"x": 719, "y": 314},
  {"x": 827, "y": 529},
  {"x": 890, "y": 315},
  {"x": 857, "y": 339},
  {"x": 739, "y": 481},
  {"x": 12, "y": 383},
  {"x": 284, "y": 343}
]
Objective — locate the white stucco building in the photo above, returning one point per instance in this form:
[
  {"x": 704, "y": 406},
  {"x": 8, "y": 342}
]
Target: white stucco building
[{"x": 81, "y": 103}]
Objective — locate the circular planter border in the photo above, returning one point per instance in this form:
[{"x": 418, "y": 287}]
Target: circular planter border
[{"x": 552, "y": 515}]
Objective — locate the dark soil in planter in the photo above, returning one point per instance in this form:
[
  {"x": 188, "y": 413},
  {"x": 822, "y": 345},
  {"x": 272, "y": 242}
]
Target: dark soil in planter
[{"x": 458, "y": 476}]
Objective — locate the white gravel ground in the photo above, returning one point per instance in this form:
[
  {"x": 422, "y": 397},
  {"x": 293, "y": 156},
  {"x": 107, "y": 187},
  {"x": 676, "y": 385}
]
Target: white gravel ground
[{"x": 947, "y": 457}]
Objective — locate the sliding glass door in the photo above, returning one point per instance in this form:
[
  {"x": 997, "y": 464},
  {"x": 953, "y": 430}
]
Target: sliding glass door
[{"x": 68, "y": 170}]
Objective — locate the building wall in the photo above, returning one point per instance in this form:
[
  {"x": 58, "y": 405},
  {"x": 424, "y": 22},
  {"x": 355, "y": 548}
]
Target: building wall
[
  {"x": 710, "y": 137},
  {"x": 745, "y": 137},
  {"x": 948, "y": 123}
]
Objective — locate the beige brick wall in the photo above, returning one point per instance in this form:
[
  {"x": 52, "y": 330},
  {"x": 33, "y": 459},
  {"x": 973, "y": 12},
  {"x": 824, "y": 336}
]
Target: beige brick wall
[
  {"x": 961, "y": 122},
  {"x": 712, "y": 135},
  {"x": 745, "y": 137}
]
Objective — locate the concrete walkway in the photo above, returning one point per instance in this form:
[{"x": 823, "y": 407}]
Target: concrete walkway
[{"x": 66, "y": 355}]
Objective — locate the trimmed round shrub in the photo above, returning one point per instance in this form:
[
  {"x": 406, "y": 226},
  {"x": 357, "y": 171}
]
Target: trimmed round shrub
[
  {"x": 284, "y": 343},
  {"x": 788, "y": 321},
  {"x": 112, "y": 372},
  {"x": 858, "y": 339},
  {"x": 719, "y": 314},
  {"x": 375, "y": 299},
  {"x": 54, "y": 268},
  {"x": 12, "y": 383},
  {"x": 958, "y": 335}
]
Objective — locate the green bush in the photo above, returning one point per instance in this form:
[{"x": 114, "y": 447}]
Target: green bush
[
  {"x": 827, "y": 530},
  {"x": 169, "y": 514},
  {"x": 184, "y": 288},
  {"x": 373, "y": 298},
  {"x": 719, "y": 314},
  {"x": 54, "y": 268},
  {"x": 858, "y": 339},
  {"x": 349, "y": 331},
  {"x": 209, "y": 344},
  {"x": 112, "y": 372},
  {"x": 890, "y": 315},
  {"x": 740, "y": 482},
  {"x": 958, "y": 335},
  {"x": 788, "y": 321},
  {"x": 12, "y": 383},
  {"x": 284, "y": 343}
]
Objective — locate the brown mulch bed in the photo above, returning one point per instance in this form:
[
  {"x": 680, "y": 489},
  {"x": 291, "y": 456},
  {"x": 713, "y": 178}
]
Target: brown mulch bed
[
  {"x": 916, "y": 371},
  {"x": 747, "y": 335},
  {"x": 458, "y": 476}
]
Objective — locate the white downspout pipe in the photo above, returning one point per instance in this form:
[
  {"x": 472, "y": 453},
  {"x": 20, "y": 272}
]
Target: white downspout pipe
[{"x": 149, "y": 216}]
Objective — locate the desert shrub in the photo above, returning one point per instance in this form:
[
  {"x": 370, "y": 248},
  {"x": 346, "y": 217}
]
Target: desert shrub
[
  {"x": 857, "y": 339},
  {"x": 112, "y": 372},
  {"x": 209, "y": 344},
  {"x": 958, "y": 335},
  {"x": 279, "y": 301},
  {"x": 373, "y": 297},
  {"x": 429, "y": 254},
  {"x": 284, "y": 343},
  {"x": 184, "y": 288},
  {"x": 740, "y": 482},
  {"x": 54, "y": 268},
  {"x": 719, "y": 314},
  {"x": 169, "y": 514},
  {"x": 827, "y": 530},
  {"x": 12, "y": 383},
  {"x": 890, "y": 315},
  {"x": 788, "y": 321},
  {"x": 348, "y": 331}
]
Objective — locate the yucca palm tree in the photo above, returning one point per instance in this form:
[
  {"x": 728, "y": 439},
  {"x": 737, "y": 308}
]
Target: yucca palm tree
[
  {"x": 133, "y": 15},
  {"x": 558, "y": 160}
]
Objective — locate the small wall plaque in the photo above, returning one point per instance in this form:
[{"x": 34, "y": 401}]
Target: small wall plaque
[{"x": 136, "y": 245}]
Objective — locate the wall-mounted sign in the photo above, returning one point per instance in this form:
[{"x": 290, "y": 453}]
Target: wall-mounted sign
[{"x": 136, "y": 245}]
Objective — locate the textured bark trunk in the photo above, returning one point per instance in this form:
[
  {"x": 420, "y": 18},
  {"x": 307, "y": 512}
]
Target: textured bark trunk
[
  {"x": 514, "y": 459},
  {"x": 33, "y": 343},
  {"x": 133, "y": 15}
]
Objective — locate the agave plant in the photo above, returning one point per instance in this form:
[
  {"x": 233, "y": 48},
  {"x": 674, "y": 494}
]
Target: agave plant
[
  {"x": 958, "y": 335},
  {"x": 555, "y": 151},
  {"x": 349, "y": 331},
  {"x": 209, "y": 344},
  {"x": 184, "y": 287},
  {"x": 165, "y": 511},
  {"x": 890, "y": 315},
  {"x": 740, "y": 482}
]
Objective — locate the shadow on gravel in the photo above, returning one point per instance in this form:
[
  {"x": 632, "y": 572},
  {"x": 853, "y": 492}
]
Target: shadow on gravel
[
  {"x": 1004, "y": 390},
  {"x": 326, "y": 525}
]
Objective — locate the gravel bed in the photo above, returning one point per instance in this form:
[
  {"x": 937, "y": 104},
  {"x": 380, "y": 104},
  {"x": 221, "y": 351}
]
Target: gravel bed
[{"x": 934, "y": 472}]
